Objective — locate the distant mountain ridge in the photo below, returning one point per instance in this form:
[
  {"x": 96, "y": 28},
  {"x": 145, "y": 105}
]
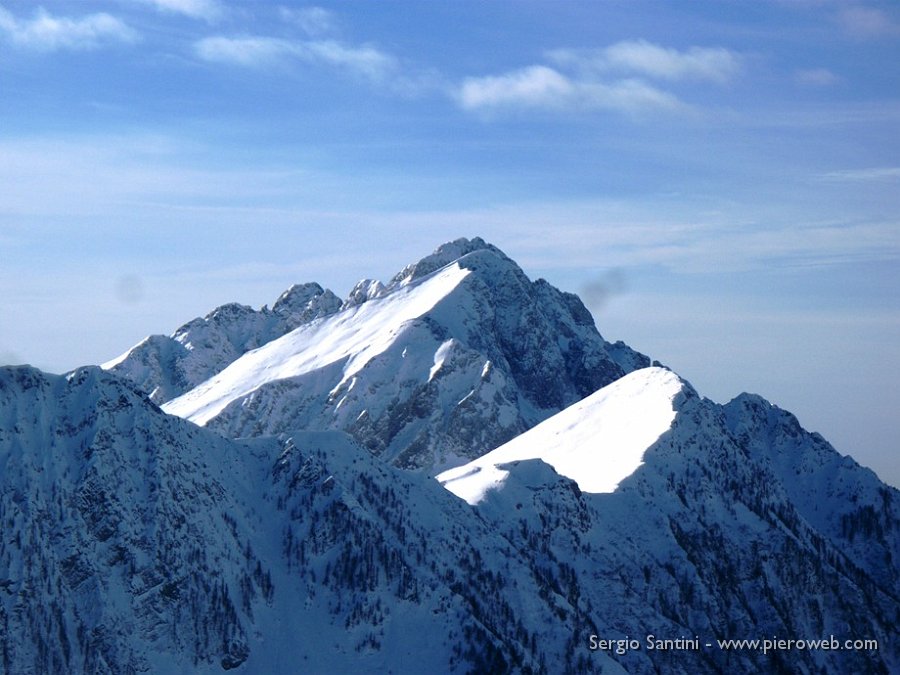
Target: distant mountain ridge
[{"x": 608, "y": 501}]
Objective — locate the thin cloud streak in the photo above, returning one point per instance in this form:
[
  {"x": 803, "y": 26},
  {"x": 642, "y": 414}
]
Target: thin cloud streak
[
  {"x": 209, "y": 10},
  {"x": 256, "y": 52},
  {"x": 816, "y": 77},
  {"x": 640, "y": 57},
  {"x": 79, "y": 180},
  {"x": 543, "y": 87},
  {"x": 314, "y": 21},
  {"x": 874, "y": 174}
]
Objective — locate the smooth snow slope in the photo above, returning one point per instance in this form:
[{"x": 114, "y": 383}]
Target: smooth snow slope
[
  {"x": 597, "y": 442},
  {"x": 354, "y": 336}
]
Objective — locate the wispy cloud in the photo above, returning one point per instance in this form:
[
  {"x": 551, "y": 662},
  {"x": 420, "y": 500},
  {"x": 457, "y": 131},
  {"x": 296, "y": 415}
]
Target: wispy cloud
[
  {"x": 873, "y": 174},
  {"x": 617, "y": 77},
  {"x": 263, "y": 51},
  {"x": 243, "y": 51},
  {"x": 314, "y": 21},
  {"x": 209, "y": 10},
  {"x": 816, "y": 77},
  {"x": 46, "y": 32},
  {"x": 867, "y": 22},
  {"x": 640, "y": 57}
]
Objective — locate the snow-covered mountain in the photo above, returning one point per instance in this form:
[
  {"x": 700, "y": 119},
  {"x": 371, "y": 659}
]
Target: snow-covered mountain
[
  {"x": 457, "y": 354},
  {"x": 698, "y": 519},
  {"x": 604, "y": 501},
  {"x": 126, "y": 540},
  {"x": 136, "y": 542},
  {"x": 168, "y": 366}
]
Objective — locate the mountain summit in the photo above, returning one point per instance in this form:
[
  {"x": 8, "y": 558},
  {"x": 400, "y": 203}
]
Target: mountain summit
[
  {"x": 591, "y": 512},
  {"x": 456, "y": 354}
]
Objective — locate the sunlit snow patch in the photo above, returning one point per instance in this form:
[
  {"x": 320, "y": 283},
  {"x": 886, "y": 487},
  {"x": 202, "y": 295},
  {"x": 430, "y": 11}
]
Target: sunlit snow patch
[
  {"x": 112, "y": 363},
  {"x": 439, "y": 357},
  {"x": 597, "y": 442}
]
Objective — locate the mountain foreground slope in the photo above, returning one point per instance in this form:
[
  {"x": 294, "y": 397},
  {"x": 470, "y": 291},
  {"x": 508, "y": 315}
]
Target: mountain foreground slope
[{"x": 616, "y": 520}]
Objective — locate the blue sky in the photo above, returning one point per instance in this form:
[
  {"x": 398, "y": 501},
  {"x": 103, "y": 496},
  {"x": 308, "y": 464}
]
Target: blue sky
[{"x": 719, "y": 180}]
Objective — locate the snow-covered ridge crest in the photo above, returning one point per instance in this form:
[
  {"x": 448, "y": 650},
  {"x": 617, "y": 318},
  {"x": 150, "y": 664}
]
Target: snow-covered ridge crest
[
  {"x": 354, "y": 336},
  {"x": 597, "y": 442}
]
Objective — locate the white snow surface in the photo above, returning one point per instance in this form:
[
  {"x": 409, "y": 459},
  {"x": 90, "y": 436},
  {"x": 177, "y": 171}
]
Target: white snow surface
[
  {"x": 597, "y": 442},
  {"x": 354, "y": 336}
]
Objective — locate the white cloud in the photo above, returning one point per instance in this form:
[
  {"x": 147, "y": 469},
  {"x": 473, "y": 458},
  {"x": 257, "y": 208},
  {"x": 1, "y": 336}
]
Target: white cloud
[
  {"x": 262, "y": 51},
  {"x": 613, "y": 78},
  {"x": 366, "y": 60},
  {"x": 196, "y": 9},
  {"x": 544, "y": 87},
  {"x": 640, "y": 57},
  {"x": 629, "y": 96},
  {"x": 48, "y": 33},
  {"x": 533, "y": 86},
  {"x": 314, "y": 21}
]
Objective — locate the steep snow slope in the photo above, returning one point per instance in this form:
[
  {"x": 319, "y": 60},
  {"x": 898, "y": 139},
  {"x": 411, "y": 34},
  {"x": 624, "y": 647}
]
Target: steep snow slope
[
  {"x": 596, "y": 442},
  {"x": 349, "y": 341},
  {"x": 167, "y": 366},
  {"x": 459, "y": 353}
]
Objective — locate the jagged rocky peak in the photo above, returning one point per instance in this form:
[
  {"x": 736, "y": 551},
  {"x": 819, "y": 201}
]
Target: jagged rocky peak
[
  {"x": 167, "y": 366},
  {"x": 33, "y": 396},
  {"x": 305, "y": 302},
  {"x": 230, "y": 311},
  {"x": 365, "y": 290},
  {"x": 443, "y": 255},
  {"x": 297, "y": 296}
]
